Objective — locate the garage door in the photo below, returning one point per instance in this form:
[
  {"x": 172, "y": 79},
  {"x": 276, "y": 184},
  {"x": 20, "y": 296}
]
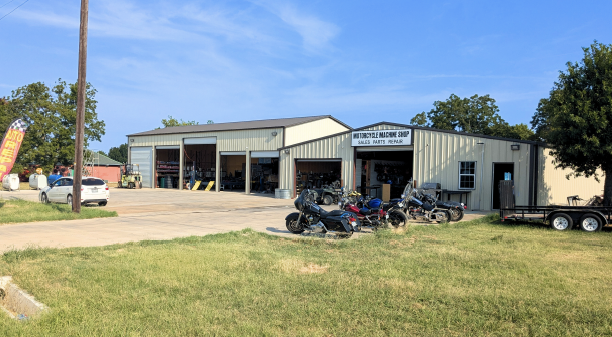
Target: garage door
[{"x": 143, "y": 156}]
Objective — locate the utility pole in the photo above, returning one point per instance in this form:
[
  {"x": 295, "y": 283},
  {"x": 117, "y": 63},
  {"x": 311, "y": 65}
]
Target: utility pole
[{"x": 80, "y": 118}]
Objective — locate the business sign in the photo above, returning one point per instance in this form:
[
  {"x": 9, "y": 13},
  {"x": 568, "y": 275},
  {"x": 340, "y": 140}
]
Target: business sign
[
  {"x": 10, "y": 146},
  {"x": 382, "y": 138}
]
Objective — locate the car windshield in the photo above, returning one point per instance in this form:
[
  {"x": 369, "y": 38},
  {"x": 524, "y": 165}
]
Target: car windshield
[{"x": 92, "y": 182}]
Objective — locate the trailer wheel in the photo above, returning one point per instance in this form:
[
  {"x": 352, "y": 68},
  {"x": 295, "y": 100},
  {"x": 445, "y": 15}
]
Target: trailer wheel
[
  {"x": 590, "y": 223},
  {"x": 561, "y": 222}
]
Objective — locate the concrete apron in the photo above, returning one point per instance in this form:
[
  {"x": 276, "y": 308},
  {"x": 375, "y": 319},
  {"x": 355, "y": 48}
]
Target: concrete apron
[
  {"x": 160, "y": 215},
  {"x": 17, "y": 303}
]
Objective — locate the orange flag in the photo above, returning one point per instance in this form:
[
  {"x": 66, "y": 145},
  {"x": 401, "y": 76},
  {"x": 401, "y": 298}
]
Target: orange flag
[{"x": 10, "y": 146}]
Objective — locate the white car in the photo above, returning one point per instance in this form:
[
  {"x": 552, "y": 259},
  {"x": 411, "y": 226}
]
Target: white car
[{"x": 93, "y": 190}]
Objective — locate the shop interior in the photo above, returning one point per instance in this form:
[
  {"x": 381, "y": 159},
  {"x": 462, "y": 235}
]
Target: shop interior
[
  {"x": 200, "y": 162},
  {"x": 264, "y": 175},
  {"x": 377, "y": 168},
  {"x": 318, "y": 174},
  {"x": 233, "y": 172},
  {"x": 167, "y": 168}
]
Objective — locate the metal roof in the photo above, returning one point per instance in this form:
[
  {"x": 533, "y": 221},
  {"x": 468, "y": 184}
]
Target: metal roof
[
  {"x": 106, "y": 161},
  {"x": 259, "y": 124},
  {"x": 420, "y": 128}
]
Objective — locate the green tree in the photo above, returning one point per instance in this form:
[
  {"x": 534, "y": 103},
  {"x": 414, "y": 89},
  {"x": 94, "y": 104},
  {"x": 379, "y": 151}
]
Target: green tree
[
  {"x": 51, "y": 115},
  {"x": 576, "y": 118},
  {"x": 476, "y": 114},
  {"x": 119, "y": 154},
  {"x": 171, "y": 121}
]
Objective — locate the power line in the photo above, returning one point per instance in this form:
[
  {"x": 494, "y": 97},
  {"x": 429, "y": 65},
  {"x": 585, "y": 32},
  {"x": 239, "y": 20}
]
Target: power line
[
  {"x": 23, "y": 3},
  {"x": 7, "y": 3}
]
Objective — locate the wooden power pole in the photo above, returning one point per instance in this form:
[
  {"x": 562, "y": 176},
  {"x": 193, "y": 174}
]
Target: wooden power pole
[{"x": 80, "y": 118}]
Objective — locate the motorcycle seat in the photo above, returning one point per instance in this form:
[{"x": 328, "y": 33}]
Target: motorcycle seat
[
  {"x": 336, "y": 212},
  {"x": 365, "y": 211}
]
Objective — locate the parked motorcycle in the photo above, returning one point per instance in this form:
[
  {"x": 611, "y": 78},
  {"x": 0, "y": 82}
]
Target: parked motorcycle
[
  {"x": 373, "y": 212},
  {"x": 423, "y": 210},
  {"x": 455, "y": 209},
  {"x": 313, "y": 218}
]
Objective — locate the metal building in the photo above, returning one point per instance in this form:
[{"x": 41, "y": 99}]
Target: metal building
[
  {"x": 467, "y": 166},
  {"x": 167, "y": 156},
  {"x": 378, "y": 159}
]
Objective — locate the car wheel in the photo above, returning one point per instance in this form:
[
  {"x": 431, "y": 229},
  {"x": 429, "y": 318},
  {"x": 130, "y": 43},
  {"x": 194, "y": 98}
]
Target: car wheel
[
  {"x": 103, "y": 203},
  {"x": 327, "y": 200},
  {"x": 590, "y": 223},
  {"x": 44, "y": 199},
  {"x": 561, "y": 222},
  {"x": 69, "y": 200}
]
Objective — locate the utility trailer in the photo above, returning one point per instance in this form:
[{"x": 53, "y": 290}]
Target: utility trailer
[{"x": 588, "y": 218}]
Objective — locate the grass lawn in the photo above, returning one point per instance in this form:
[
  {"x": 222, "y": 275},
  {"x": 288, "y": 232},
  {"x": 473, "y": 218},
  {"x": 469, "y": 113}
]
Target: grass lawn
[
  {"x": 474, "y": 278},
  {"x": 15, "y": 211}
]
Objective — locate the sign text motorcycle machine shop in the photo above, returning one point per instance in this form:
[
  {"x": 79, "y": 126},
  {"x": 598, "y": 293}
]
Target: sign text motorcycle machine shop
[{"x": 401, "y": 137}]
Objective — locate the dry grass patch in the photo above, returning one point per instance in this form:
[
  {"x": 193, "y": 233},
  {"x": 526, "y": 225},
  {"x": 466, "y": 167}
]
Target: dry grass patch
[{"x": 312, "y": 268}]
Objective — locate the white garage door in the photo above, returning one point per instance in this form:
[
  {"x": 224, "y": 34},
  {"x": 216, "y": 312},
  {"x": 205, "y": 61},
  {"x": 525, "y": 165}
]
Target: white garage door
[{"x": 143, "y": 157}]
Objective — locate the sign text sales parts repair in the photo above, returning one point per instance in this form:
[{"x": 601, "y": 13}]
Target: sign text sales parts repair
[{"x": 382, "y": 138}]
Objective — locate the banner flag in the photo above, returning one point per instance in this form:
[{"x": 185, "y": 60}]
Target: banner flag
[{"x": 10, "y": 146}]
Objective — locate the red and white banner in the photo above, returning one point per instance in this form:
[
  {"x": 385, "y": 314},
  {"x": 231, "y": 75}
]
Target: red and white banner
[{"x": 10, "y": 146}]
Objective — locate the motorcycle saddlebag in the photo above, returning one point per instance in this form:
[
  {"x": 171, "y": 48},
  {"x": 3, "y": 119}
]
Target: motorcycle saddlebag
[{"x": 337, "y": 223}]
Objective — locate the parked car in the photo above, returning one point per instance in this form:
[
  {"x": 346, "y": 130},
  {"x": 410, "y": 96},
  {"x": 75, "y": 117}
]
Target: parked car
[{"x": 93, "y": 190}]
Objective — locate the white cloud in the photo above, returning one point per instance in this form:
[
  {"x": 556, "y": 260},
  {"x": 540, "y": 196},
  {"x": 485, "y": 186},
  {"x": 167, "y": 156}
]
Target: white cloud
[{"x": 316, "y": 34}]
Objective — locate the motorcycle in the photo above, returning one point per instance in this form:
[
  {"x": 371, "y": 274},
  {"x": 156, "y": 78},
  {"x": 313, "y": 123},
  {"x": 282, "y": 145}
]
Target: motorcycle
[
  {"x": 455, "y": 209},
  {"x": 373, "y": 212},
  {"x": 423, "y": 210},
  {"x": 313, "y": 218}
]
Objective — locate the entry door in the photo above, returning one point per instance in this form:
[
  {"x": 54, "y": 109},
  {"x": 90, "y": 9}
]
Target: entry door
[
  {"x": 143, "y": 156},
  {"x": 501, "y": 171}
]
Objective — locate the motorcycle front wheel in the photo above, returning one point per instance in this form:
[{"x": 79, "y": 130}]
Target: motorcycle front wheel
[
  {"x": 398, "y": 219},
  {"x": 293, "y": 226},
  {"x": 456, "y": 214}
]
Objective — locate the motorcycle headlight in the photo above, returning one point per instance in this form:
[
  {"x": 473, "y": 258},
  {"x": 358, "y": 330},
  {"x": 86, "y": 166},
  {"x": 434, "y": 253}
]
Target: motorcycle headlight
[
  {"x": 403, "y": 196},
  {"x": 401, "y": 205}
]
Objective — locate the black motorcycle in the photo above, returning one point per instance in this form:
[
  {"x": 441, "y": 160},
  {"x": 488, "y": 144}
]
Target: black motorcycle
[
  {"x": 455, "y": 209},
  {"x": 424, "y": 210},
  {"x": 313, "y": 218}
]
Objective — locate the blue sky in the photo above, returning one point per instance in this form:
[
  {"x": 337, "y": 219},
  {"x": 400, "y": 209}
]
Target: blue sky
[{"x": 360, "y": 61}]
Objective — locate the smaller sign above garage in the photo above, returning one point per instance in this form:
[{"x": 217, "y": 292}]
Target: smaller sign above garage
[{"x": 401, "y": 137}]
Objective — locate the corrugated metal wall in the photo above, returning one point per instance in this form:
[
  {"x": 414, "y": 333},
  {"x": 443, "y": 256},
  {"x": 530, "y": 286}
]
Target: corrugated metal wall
[
  {"x": 313, "y": 130},
  {"x": 328, "y": 148},
  {"x": 554, "y": 188},
  {"x": 437, "y": 156},
  {"x": 256, "y": 140}
]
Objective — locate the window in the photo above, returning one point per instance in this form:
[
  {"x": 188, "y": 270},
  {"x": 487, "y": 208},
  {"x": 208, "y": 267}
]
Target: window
[
  {"x": 467, "y": 175},
  {"x": 92, "y": 182}
]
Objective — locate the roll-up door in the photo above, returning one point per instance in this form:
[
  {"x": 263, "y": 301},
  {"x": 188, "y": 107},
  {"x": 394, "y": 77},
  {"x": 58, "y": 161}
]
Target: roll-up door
[
  {"x": 200, "y": 141},
  {"x": 265, "y": 154},
  {"x": 234, "y": 153},
  {"x": 143, "y": 156}
]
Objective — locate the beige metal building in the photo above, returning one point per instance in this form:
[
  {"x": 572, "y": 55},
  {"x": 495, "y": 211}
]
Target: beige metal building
[
  {"x": 468, "y": 166},
  {"x": 166, "y": 157},
  {"x": 313, "y": 151}
]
